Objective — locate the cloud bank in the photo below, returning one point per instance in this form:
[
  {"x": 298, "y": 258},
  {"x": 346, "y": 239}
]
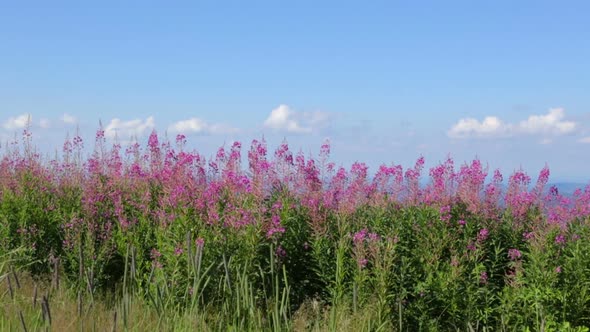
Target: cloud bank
[
  {"x": 552, "y": 123},
  {"x": 283, "y": 118},
  {"x": 199, "y": 126},
  {"x": 128, "y": 129},
  {"x": 17, "y": 122}
]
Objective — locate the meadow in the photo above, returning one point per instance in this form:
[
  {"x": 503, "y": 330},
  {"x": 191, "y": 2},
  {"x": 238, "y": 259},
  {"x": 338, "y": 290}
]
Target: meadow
[{"x": 157, "y": 237}]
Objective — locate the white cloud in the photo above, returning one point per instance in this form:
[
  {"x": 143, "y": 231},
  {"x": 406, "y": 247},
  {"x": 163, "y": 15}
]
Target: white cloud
[
  {"x": 551, "y": 123},
  {"x": 284, "y": 118},
  {"x": 44, "y": 123},
  {"x": 68, "y": 119},
  {"x": 191, "y": 125},
  {"x": 490, "y": 126},
  {"x": 18, "y": 122},
  {"x": 585, "y": 140},
  {"x": 199, "y": 126},
  {"x": 127, "y": 129}
]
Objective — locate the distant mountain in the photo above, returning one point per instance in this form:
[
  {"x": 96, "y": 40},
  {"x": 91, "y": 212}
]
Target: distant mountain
[{"x": 567, "y": 188}]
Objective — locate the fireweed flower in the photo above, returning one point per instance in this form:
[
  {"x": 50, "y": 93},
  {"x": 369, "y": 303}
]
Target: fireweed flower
[
  {"x": 280, "y": 252},
  {"x": 441, "y": 187},
  {"x": 200, "y": 242},
  {"x": 412, "y": 177},
  {"x": 445, "y": 213},
  {"x": 483, "y": 235},
  {"x": 483, "y": 278},
  {"x": 528, "y": 235},
  {"x": 517, "y": 198},
  {"x": 553, "y": 191},
  {"x": 560, "y": 239},
  {"x": 275, "y": 227},
  {"x": 373, "y": 237},
  {"x": 362, "y": 263},
  {"x": 558, "y": 269},
  {"x": 274, "y": 230},
  {"x": 541, "y": 182},
  {"x": 470, "y": 182},
  {"x": 155, "y": 255},
  {"x": 180, "y": 139},
  {"x": 359, "y": 237},
  {"x": 514, "y": 254}
]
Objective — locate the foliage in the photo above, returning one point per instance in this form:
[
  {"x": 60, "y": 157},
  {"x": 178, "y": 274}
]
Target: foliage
[{"x": 259, "y": 247}]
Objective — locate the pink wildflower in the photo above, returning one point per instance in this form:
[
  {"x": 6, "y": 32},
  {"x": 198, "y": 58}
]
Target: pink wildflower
[
  {"x": 359, "y": 236},
  {"x": 483, "y": 235},
  {"x": 200, "y": 242},
  {"x": 362, "y": 263},
  {"x": 560, "y": 239},
  {"x": 483, "y": 278},
  {"x": 514, "y": 254}
]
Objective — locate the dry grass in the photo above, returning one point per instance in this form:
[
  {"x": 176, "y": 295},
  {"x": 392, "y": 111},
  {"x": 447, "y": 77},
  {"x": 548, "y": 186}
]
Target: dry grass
[
  {"x": 69, "y": 313},
  {"x": 66, "y": 312}
]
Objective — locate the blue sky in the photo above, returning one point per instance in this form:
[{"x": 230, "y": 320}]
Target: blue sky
[{"x": 385, "y": 82}]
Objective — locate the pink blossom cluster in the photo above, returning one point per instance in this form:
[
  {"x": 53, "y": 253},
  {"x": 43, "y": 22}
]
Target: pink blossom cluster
[{"x": 162, "y": 182}]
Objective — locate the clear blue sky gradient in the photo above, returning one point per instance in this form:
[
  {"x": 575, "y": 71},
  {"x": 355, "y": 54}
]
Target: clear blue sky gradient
[{"x": 393, "y": 78}]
